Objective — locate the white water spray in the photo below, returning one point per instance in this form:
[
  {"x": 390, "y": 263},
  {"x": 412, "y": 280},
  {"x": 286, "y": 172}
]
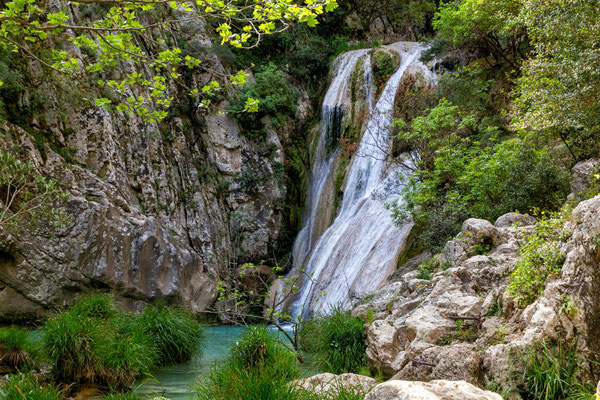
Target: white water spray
[{"x": 359, "y": 251}]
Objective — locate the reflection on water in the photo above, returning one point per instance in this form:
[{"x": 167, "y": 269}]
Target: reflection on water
[{"x": 175, "y": 381}]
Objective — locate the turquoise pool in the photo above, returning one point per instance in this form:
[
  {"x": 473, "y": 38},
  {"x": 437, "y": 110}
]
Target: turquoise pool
[{"x": 175, "y": 381}]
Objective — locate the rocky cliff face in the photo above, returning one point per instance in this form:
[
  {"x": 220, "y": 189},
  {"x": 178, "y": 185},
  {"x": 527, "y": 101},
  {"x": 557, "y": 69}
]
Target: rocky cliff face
[
  {"x": 461, "y": 325},
  {"x": 157, "y": 211}
]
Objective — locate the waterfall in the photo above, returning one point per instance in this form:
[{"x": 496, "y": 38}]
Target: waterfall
[
  {"x": 359, "y": 250},
  {"x": 336, "y": 102}
]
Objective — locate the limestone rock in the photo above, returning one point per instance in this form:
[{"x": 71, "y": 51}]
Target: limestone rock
[
  {"x": 582, "y": 171},
  {"x": 15, "y": 306},
  {"x": 511, "y": 219},
  {"x": 158, "y": 212},
  {"x": 453, "y": 253},
  {"x": 327, "y": 384},
  {"x": 479, "y": 230},
  {"x": 434, "y": 390},
  {"x": 462, "y": 325}
]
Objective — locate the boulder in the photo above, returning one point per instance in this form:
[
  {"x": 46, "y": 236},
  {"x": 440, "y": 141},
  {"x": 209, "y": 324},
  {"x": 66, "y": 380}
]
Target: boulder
[
  {"x": 328, "y": 384},
  {"x": 454, "y": 363},
  {"x": 582, "y": 171},
  {"x": 511, "y": 219},
  {"x": 453, "y": 254},
  {"x": 434, "y": 390},
  {"x": 383, "y": 339},
  {"x": 480, "y": 230}
]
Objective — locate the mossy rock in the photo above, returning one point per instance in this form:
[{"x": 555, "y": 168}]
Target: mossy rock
[{"x": 385, "y": 62}]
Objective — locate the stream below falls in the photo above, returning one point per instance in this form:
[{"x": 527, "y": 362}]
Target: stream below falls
[{"x": 176, "y": 382}]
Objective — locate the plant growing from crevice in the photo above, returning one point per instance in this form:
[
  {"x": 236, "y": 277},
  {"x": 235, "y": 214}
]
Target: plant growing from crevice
[
  {"x": 540, "y": 257},
  {"x": 495, "y": 309},
  {"x": 566, "y": 306},
  {"x": 464, "y": 331},
  {"x": 552, "y": 372},
  {"x": 384, "y": 66},
  {"x": 427, "y": 269}
]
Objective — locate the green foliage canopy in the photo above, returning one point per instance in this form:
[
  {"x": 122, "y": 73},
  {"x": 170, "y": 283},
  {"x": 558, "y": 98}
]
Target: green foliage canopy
[
  {"x": 118, "y": 34},
  {"x": 492, "y": 24},
  {"x": 558, "y": 96},
  {"x": 466, "y": 168}
]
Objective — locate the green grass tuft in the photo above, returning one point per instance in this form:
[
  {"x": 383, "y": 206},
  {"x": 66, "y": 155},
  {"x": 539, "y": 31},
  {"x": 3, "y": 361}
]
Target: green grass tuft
[
  {"x": 20, "y": 387},
  {"x": 16, "y": 349},
  {"x": 176, "y": 334},
  {"x": 94, "y": 343},
  {"x": 98, "y": 306},
  {"x": 258, "y": 367},
  {"x": 337, "y": 340},
  {"x": 551, "y": 373}
]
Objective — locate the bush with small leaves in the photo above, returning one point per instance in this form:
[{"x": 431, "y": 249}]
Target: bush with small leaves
[{"x": 540, "y": 257}]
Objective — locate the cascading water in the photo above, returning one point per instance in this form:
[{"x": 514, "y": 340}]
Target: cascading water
[
  {"x": 336, "y": 102},
  {"x": 359, "y": 251}
]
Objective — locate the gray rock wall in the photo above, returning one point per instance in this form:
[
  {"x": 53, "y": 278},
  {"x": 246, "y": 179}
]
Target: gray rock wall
[{"x": 157, "y": 211}]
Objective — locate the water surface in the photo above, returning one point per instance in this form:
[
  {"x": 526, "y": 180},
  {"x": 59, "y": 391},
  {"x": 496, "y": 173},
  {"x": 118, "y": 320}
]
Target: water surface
[{"x": 176, "y": 382}]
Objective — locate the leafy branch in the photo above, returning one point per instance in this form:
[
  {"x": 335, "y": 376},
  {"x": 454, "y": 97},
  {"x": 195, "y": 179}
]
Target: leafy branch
[{"x": 113, "y": 39}]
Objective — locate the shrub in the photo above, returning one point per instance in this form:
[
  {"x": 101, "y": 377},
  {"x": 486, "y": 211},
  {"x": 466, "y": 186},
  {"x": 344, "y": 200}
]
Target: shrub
[
  {"x": 94, "y": 343},
  {"x": 277, "y": 99},
  {"x": 260, "y": 367},
  {"x": 540, "y": 257},
  {"x": 104, "y": 352},
  {"x": 337, "y": 340},
  {"x": 551, "y": 372},
  {"x": 15, "y": 347},
  {"x": 20, "y": 387},
  {"x": 460, "y": 174},
  {"x": 176, "y": 334}
]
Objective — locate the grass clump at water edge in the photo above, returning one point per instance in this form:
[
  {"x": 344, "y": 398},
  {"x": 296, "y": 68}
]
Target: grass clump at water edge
[
  {"x": 176, "y": 334},
  {"x": 27, "y": 386},
  {"x": 337, "y": 340},
  {"x": 93, "y": 343},
  {"x": 260, "y": 367},
  {"x": 16, "y": 349}
]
